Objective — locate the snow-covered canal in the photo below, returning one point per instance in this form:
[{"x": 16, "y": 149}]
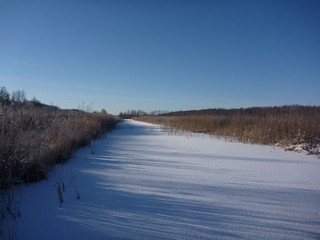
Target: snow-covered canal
[{"x": 139, "y": 183}]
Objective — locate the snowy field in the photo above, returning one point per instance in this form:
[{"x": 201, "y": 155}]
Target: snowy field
[{"x": 140, "y": 183}]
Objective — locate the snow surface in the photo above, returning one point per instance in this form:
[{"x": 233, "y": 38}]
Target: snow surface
[{"x": 141, "y": 183}]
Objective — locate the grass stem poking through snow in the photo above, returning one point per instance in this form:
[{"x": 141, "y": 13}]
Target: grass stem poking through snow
[
  {"x": 60, "y": 194},
  {"x": 72, "y": 182}
]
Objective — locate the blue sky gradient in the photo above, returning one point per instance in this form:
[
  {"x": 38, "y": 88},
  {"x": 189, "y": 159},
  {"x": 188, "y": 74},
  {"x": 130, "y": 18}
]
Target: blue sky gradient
[{"x": 161, "y": 54}]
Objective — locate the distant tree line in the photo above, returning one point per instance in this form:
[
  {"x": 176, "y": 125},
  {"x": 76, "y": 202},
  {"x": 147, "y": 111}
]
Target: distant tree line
[
  {"x": 251, "y": 111},
  {"x": 132, "y": 113},
  {"x": 136, "y": 113},
  {"x": 17, "y": 97}
]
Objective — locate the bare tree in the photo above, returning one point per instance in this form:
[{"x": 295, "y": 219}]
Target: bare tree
[
  {"x": 4, "y": 95},
  {"x": 18, "y": 96}
]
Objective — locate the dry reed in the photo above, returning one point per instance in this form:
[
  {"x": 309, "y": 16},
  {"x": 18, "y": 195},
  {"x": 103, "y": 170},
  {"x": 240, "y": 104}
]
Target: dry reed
[
  {"x": 266, "y": 125},
  {"x": 32, "y": 138}
]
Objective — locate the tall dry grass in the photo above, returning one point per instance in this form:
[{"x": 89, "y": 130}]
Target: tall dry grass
[
  {"x": 269, "y": 125},
  {"x": 34, "y": 137}
]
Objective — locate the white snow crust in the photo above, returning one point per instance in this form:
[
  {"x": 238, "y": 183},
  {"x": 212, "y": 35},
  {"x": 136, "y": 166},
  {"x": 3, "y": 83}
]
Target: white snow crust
[{"x": 140, "y": 183}]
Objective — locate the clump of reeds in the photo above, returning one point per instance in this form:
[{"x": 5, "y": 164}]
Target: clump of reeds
[
  {"x": 266, "y": 125},
  {"x": 35, "y": 136}
]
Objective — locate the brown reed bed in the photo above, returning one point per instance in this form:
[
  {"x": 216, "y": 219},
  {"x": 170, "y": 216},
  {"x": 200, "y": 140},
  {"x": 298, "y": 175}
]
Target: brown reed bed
[
  {"x": 285, "y": 126},
  {"x": 35, "y": 136}
]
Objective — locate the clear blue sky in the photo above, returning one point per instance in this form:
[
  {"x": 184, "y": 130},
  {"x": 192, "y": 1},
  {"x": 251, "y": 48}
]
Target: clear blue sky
[{"x": 162, "y": 54}]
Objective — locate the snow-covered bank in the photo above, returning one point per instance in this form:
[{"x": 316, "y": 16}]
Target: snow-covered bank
[
  {"x": 311, "y": 148},
  {"x": 138, "y": 183}
]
